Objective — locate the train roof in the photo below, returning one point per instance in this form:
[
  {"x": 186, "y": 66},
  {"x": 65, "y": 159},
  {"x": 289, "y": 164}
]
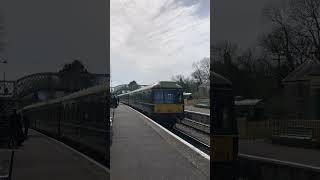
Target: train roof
[
  {"x": 160, "y": 84},
  {"x": 85, "y": 92}
]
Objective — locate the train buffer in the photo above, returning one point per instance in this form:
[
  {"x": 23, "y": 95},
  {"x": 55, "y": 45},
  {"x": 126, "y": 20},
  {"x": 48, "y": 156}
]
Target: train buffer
[
  {"x": 143, "y": 150},
  {"x": 42, "y": 157}
]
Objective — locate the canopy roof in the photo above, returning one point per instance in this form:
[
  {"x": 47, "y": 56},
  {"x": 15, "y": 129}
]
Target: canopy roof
[
  {"x": 217, "y": 79},
  {"x": 304, "y": 71}
]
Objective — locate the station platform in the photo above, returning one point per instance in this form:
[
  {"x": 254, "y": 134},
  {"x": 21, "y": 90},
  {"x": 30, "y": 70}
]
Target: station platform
[
  {"x": 298, "y": 156},
  {"x": 42, "y": 157},
  {"x": 139, "y": 151}
]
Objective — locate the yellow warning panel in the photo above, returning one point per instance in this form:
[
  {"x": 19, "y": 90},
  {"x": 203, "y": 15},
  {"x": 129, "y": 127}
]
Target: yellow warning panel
[
  {"x": 168, "y": 108},
  {"x": 222, "y": 148}
]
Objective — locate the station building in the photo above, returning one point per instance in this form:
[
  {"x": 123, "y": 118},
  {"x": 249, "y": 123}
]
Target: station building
[{"x": 300, "y": 96}]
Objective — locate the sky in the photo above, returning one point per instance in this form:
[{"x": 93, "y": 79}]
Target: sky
[
  {"x": 152, "y": 40},
  {"x": 240, "y": 22},
  {"x": 43, "y": 35}
]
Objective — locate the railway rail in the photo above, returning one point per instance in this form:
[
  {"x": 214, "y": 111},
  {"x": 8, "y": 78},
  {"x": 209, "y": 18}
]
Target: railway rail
[
  {"x": 196, "y": 133},
  {"x": 205, "y": 128},
  {"x": 192, "y": 140},
  {"x": 199, "y": 117}
]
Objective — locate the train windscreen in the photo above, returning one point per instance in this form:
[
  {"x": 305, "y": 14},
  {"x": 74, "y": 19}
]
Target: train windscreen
[{"x": 167, "y": 96}]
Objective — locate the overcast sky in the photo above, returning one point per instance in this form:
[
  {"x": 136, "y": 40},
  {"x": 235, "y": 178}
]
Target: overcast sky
[
  {"x": 43, "y": 35},
  {"x": 153, "y": 40},
  {"x": 240, "y": 22}
]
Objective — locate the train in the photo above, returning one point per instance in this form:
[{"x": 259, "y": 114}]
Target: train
[
  {"x": 162, "y": 100},
  {"x": 80, "y": 119}
]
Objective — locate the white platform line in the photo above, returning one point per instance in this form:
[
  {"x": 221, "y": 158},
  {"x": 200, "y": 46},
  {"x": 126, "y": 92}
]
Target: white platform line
[
  {"x": 76, "y": 151},
  {"x": 279, "y": 161},
  {"x": 175, "y": 136}
]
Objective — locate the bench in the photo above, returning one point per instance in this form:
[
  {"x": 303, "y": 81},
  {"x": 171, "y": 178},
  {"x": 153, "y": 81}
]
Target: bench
[{"x": 294, "y": 136}]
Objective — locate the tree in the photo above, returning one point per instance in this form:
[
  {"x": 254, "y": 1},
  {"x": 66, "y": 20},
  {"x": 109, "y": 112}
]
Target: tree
[
  {"x": 222, "y": 48},
  {"x": 75, "y": 67},
  {"x": 251, "y": 75},
  {"x": 187, "y": 84},
  {"x": 280, "y": 41},
  {"x": 201, "y": 71},
  {"x": 133, "y": 85},
  {"x": 295, "y": 32},
  {"x": 224, "y": 55},
  {"x": 306, "y": 16},
  {"x": 74, "y": 76}
]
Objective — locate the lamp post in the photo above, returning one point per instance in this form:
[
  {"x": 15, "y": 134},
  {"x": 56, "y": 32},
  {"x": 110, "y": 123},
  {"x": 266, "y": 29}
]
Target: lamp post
[
  {"x": 277, "y": 56},
  {"x": 4, "y": 61},
  {"x": 223, "y": 129}
]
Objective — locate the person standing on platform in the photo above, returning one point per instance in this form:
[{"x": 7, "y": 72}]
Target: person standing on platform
[
  {"x": 16, "y": 128},
  {"x": 26, "y": 121},
  {"x": 114, "y": 102}
]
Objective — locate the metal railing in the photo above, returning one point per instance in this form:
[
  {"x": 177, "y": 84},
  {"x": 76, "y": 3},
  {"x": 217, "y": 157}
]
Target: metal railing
[{"x": 268, "y": 127}]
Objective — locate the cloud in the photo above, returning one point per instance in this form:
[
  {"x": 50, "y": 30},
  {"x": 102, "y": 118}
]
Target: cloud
[{"x": 152, "y": 40}]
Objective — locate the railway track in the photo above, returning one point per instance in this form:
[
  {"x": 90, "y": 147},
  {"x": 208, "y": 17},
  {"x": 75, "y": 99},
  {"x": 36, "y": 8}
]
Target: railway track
[
  {"x": 198, "y": 138},
  {"x": 197, "y": 142},
  {"x": 194, "y": 132},
  {"x": 196, "y": 125}
]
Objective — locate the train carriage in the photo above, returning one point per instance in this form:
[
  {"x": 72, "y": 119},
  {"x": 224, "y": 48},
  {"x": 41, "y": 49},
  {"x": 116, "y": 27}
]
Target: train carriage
[
  {"x": 162, "y": 100},
  {"x": 79, "y": 119}
]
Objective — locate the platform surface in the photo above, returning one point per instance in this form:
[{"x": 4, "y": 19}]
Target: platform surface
[
  {"x": 5, "y": 158},
  {"x": 138, "y": 152},
  {"x": 41, "y": 158},
  {"x": 264, "y": 149}
]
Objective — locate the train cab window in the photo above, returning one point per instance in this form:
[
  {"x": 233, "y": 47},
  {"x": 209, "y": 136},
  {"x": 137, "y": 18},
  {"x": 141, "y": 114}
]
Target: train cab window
[
  {"x": 158, "y": 97},
  {"x": 167, "y": 97},
  {"x": 172, "y": 97}
]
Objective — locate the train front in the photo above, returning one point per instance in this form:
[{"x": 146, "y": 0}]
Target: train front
[{"x": 168, "y": 102}]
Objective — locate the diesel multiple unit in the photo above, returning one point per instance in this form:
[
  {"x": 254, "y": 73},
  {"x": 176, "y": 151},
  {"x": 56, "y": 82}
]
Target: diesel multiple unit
[{"x": 163, "y": 100}]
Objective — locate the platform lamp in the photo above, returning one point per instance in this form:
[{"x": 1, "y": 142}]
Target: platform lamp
[
  {"x": 223, "y": 129},
  {"x": 4, "y": 61}
]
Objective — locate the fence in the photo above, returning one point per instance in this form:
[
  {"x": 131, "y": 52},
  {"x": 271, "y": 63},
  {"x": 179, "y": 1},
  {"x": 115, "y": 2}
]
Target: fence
[{"x": 265, "y": 128}]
